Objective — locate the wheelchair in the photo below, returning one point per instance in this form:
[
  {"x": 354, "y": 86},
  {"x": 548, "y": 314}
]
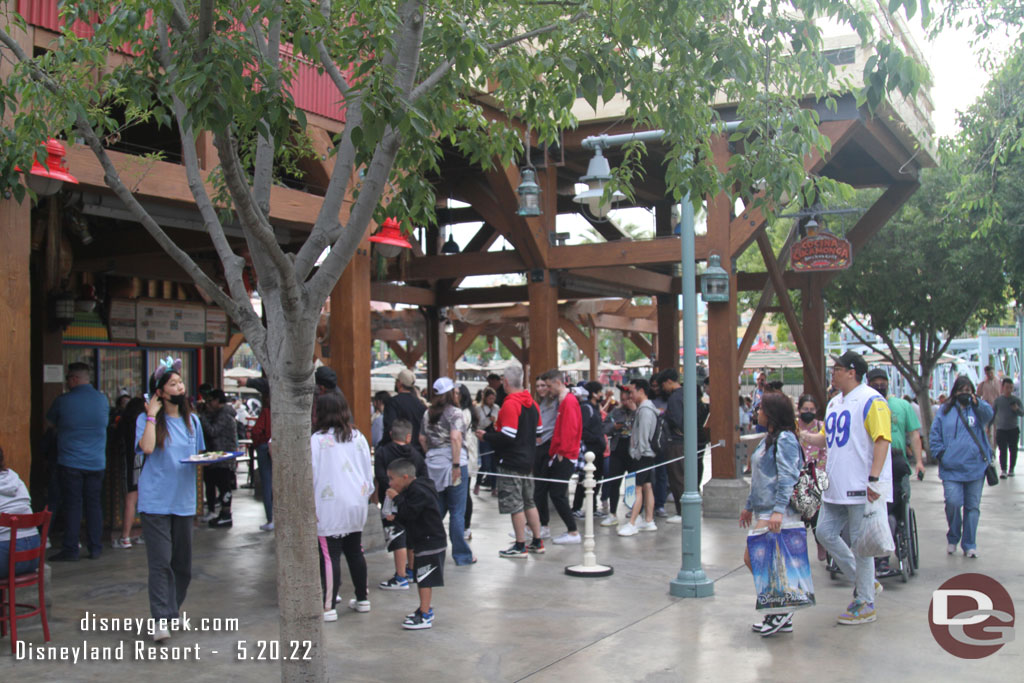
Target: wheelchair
[{"x": 903, "y": 522}]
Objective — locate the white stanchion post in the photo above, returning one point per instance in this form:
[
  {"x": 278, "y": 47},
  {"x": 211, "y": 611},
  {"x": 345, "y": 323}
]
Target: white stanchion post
[{"x": 590, "y": 567}]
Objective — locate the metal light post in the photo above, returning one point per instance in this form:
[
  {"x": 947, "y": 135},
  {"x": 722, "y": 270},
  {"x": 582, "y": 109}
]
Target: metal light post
[
  {"x": 691, "y": 581},
  {"x": 1020, "y": 358}
]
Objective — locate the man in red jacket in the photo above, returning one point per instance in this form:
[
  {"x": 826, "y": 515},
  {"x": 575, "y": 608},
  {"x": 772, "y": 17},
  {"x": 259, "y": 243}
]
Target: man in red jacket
[{"x": 561, "y": 463}]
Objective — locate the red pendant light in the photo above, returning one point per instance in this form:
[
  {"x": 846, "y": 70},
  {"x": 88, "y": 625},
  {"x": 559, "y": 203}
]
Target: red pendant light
[
  {"x": 47, "y": 180},
  {"x": 389, "y": 239}
]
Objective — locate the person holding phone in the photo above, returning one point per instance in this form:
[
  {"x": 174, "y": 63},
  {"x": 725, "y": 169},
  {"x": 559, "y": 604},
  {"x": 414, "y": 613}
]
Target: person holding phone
[{"x": 166, "y": 433}]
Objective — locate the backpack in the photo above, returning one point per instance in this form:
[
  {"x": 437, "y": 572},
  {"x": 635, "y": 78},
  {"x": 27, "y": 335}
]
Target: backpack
[
  {"x": 659, "y": 440},
  {"x": 809, "y": 488}
]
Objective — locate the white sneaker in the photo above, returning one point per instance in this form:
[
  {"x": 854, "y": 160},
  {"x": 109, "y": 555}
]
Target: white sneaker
[
  {"x": 967, "y": 553},
  {"x": 568, "y": 539},
  {"x": 545, "y": 532},
  {"x": 359, "y": 605},
  {"x": 160, "y": 635},
  {"x": 646, "y": 526},
  {"x": 628, "y": 529},
  {"x": 331, "y": 615},
  {"x": 269, "y": 526},
  {"x": 468, "y": 534},
  {"x": 208, "y": 516},
  {"x": 950, "y": 548},
  {"x": 610, "y": 520},
  {"x": 674, "y": 519}
]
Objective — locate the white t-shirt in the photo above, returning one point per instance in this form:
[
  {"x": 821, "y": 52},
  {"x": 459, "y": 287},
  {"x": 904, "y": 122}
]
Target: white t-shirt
[
  {"x": 852, "y": 423},
  {"x": 342, "y": 482}
]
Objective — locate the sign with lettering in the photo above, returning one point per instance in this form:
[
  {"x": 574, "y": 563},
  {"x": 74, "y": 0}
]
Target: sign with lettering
[
  {"x": 821, "y": 252},
  {"x": 121, "y": 321},
  {"x": 171, "y": 323}
]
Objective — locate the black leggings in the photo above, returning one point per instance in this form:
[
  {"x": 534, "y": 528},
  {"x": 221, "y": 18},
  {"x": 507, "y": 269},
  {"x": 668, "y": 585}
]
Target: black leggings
[
  {"x": 617, "y": 463},
  {"x": 560, "y": 469},
  {"x": 331, "y": 549},
  {"x": 219, "y": 483},
  {"x": 1006, "y": 440},
  {"x": 469, "y": 505},
  {"x": 577, "y": 498}
]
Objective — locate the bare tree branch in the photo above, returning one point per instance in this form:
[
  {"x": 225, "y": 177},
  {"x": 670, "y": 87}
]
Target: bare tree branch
[
  {"x": 232, "y": 263},
  {"x": 325, "y": 57},
  {"x": 179, "y": 17},
  {"x": 264, "y": 172},
  {"x": 442, "y": 69},
  {"x": 205, "y": 21}
]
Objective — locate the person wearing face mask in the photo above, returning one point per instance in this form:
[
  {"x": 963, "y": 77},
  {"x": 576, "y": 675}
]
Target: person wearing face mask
[
  {"x": 958, "y": 442},
  {"x": 808, "y": 424},
  {"x": 167, "y": 433}
]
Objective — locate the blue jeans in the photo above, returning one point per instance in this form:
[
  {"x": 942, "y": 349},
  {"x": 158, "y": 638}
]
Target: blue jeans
[
  {"x": 831, "y": 520},
  {"x": 966, "y": 495},
  {"x": 453, "y": 500},
  {"x": 29, "y": 543},
  {"x": 265, "y": 466},
  {"x": 78, "y": 487},
  {"x": 661, "y": 487}
]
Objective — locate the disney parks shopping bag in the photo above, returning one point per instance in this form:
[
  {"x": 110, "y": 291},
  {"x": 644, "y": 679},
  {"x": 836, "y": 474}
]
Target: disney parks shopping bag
[{"x": 782, "y": 574}]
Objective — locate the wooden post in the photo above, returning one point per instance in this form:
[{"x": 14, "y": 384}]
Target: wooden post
[
  {"x": 722, "y": 323},
  {"x": 543, "y": 325},
  {"x": 437, "y": 345},
  {"x": 814, "y": 334},
  {"x": 668, "y": 331},
  {"x": 15, "y": 335},
  {"x": 351, "y": 341}
]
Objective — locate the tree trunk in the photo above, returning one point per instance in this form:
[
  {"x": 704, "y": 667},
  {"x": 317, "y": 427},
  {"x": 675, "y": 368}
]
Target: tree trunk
[
  {"x": 298, "y": 579},
  {"x": 925, "y": 403}
]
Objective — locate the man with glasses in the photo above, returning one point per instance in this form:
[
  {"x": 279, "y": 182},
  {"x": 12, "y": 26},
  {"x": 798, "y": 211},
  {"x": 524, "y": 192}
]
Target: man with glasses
[
  {"x": 906, "y": 428},
  {"x": 858, "y": 431}
]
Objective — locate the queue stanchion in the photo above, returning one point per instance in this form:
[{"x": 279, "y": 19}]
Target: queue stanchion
[{"x": 590, "y": 567}]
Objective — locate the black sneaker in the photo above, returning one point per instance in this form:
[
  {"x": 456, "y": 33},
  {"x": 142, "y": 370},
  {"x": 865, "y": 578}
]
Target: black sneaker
[
  {"x": 395, "y": 583},
  {"x": 775, "y": 623},
  {"x": 514, "y": 551},
  {"x": 418, "y": 620},
  {"x": 536, "y": 547},
  {"x": 221, "y": 522}
]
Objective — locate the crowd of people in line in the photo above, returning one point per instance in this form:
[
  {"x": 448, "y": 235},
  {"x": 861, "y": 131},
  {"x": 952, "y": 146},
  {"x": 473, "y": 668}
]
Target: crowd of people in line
[{"x": 427, "y": 459}]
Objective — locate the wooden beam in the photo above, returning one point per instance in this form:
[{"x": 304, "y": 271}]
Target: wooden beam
[
  {"x": 813, "y": 319},
  {"x": 16, "y": 366},
  {"x": 775, "y": 274},
  {"x": 530, "y": 235},
  {"x": 606, "y": 321},
  {"x": 753, "y": 327},
  {"x": 464, "y": 264},
  {"x": 483, "y": 295},
  {"x": 635, "y": 279},
  {"x": 517, "y": 351},
  {"x": 163, "y": 181},
  {"x": 646, "y": 347},
  {"x": 468, "y": 336},
  {"x": 484, "y": 238},
  {"x": 402, "y": 294},
  {"x": 660, "y": 250},
  {"x": 885, "y": 149},
  {"x": 668, "y": 331},
  {"x": 543, "y": 334},
  {"x": 884, "y": 208},
  {"x": 229, "y": 351},
  {"x": 389, "y": 334},
  {"x": 578, "y": 336}
]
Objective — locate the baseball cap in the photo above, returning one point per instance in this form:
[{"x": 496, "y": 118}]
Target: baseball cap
[
  {"x": 878, "y": 373},
  {"x": 123, "y": 391},
  {"x": 442, "y": 385},
  {"x": 326, "y": 377},
  {"x": 851, "y": 360},
  {"x": 580, "y": 392},
  {"x": 406, "y": 378}
]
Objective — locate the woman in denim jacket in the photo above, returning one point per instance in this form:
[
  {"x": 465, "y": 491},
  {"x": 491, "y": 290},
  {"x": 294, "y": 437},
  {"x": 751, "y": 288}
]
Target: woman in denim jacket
[
  {"x": 775, "y": 469},
  {"x": 961, "y": 464}
]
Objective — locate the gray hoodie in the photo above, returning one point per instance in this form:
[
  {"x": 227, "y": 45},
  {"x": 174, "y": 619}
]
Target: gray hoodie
[{"x": 14, "y": 500}]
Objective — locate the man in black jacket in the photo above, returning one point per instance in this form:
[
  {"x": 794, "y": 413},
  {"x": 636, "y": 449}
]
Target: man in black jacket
[
  {"x": 515, "y": 440},
  {"x": 404, "y": 405},
  {"x": 416, "y": 509}
]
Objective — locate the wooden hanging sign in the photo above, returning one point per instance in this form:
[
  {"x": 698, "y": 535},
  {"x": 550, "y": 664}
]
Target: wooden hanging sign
[{"x": 821, "y": 252}]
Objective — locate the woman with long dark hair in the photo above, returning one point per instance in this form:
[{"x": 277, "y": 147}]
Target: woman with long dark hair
[
  {"x": 775, "y": 467},
  {"x": 470, "y": 417},
  {"x": 124, "y": 445},
  {"x": 442, "y": 436},
  {"x": 808, "y": 424},
  {"x": 342, "y": 484},
  {"x": 166, "y": 433},
  {"x": 959, "y": 443}
]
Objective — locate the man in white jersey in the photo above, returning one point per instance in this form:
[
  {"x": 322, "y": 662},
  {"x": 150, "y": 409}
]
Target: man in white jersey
[{"x": 857, "y": 433}]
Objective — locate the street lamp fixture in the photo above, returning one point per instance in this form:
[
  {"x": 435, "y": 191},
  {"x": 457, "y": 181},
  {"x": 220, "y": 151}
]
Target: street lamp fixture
[
  {"x": 389, "y": 239},
  {"x": 529, "y": 194},
  {"x": 714, "y": 284},
  {"x": 46, "y": 180},
  {"x": 598, "y": 175}
]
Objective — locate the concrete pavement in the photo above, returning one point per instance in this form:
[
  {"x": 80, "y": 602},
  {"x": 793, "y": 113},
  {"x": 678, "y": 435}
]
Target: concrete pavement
[{"x": 513, "y": 620}]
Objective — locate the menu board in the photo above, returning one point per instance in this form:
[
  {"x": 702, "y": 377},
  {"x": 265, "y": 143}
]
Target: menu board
[
  {"x": 170, "y": 323},
  {"x": 122, "y": 325},
  {"x": 217, "y": 327}
]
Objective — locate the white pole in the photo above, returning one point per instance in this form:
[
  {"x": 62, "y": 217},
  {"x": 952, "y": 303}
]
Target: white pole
[{"x": 590, "y": 567}]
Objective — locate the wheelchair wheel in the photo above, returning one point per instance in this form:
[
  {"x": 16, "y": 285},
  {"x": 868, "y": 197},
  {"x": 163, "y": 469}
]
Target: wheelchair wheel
[
  {"x": 903, "y": 552},
  {"x": 912, "y": 536},
  {"x": 832, "y": 567}
]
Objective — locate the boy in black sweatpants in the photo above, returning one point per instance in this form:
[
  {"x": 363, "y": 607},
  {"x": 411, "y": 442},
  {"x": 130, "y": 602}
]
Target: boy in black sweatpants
[
  {"x": 394, "y": 534},
  {"x": 417, "y": 509}
]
